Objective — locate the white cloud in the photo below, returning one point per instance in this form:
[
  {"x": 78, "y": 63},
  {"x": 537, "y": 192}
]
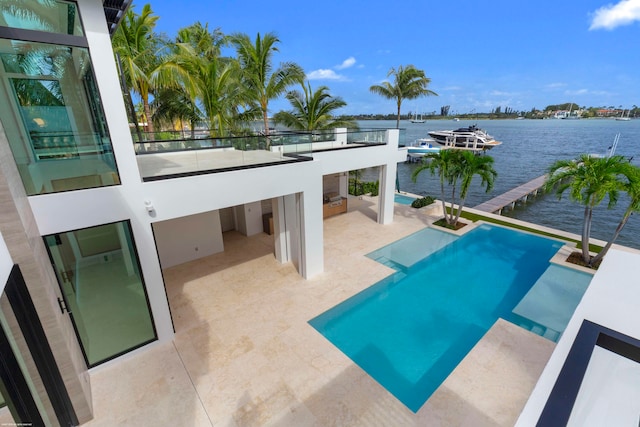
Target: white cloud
[
  {"x": 501, "y": 93},
  {"x": 555, "y": 85},
  {"x": 349, "y": 62},
  {"x": 577, "y": 92},
  {"x": 612, "y": 16},
  {"x": 323, "y": 74}
]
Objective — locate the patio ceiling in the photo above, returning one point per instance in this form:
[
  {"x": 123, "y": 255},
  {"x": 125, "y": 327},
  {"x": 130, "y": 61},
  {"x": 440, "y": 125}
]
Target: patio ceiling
[{"x": 114, "y": 11}]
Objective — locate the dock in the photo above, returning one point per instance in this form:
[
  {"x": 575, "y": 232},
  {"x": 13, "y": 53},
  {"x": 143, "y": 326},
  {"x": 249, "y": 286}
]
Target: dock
[{"x": 511, "y": 197}]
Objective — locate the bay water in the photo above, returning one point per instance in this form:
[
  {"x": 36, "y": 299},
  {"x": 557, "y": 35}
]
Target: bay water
[{"x": 528, "y": 148}]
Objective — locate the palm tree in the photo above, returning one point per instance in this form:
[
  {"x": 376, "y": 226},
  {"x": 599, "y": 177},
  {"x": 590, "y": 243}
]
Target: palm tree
[
  {"x": 258, "y": 76},
  {"x": 632, "y": 188},
  {"x": 136, "y": 46},
  {"x": 174, "y": 105},
  {"x": 195, "y": 71},
  {"x": 408, "y": 83},
  {"x": 210, "y": 81},
  {"x": 206, "y": 43},
  {"x": 312, "y": 110},
  {"x": 471, "y": 165},
  {"x": 457, "y": 167},
  {"x": 589, "y": 180},
  {"x": 442, "y": 162}
]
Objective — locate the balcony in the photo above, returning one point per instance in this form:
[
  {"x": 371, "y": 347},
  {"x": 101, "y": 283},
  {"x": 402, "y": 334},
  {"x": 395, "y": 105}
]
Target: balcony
[{"x": 178, "y": 156}]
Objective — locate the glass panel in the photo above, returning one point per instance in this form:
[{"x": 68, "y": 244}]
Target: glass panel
[
  {"x": 52, "y": 16},
  {"x": 100, "y": 278},
  {"x": 53, "y": 118},
  {"x": 18, "y": 361}
]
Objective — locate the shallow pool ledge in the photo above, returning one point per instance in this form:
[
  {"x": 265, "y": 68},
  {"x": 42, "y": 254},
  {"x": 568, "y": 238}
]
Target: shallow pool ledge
[{"x": 494, "y": 381}]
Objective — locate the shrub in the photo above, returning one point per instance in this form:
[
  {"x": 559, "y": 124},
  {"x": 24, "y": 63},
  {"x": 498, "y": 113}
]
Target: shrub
[
  {"x": 358, "y": 188},
  {"x": 422, "y": 202}
]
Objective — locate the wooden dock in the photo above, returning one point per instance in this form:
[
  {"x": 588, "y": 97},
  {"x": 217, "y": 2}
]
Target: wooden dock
[{"x": 511, "y": 197}]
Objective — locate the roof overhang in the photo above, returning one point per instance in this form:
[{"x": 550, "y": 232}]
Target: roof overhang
[{"x": 114, "y": 11}]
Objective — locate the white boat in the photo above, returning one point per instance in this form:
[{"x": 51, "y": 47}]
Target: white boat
[
  {"x": 624, "y": 118},
  {"x": 568, "y": 116},
  {"x": 417, "y": 119},
  {"x": 469, "y": 138},
  {"x": 421, "y": 147}
]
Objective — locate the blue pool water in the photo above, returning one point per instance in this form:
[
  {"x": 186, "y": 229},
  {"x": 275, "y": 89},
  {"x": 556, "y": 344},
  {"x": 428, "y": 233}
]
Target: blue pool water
[
  {"x": 404, "y": 200},
  {"x": 410, "y": 330},
  {"x": 405, "y": 252}
]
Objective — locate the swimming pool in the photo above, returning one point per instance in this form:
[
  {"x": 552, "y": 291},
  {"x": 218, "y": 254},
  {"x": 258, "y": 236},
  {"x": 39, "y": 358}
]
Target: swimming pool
[
  {"x": 410, "y": 330},
  {"x": 403, "y": 200}
]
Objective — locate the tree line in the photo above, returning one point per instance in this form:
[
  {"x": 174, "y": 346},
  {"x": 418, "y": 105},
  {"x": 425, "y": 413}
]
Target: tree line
[
  {"x": 506, "y": 112},
  {"x": 186, "y": 81}
]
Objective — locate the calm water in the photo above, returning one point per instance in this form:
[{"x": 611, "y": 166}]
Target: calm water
[
  {"x": 410, "y": 330},
  {"x": 528, "y": 148}
]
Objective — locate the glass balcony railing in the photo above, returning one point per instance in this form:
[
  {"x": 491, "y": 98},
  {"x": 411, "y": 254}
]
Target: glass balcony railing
[
  {"x": 173, "y": 154},
  {"x": 367, "y": 136}
]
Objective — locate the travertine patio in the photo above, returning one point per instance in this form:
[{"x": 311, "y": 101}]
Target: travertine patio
[{"x": 244, "y": 354}]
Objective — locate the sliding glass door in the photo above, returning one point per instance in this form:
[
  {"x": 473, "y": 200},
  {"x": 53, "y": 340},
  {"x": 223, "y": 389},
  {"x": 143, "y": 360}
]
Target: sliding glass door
[{"x": 103, "y": 288}]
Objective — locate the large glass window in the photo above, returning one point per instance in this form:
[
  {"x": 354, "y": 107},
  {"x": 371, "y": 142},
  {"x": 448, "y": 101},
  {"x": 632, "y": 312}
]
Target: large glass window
[
  {"x": 51, "y": 110},
  {"x": 99, "y": 274},
  {"x": 53, "y": 16}
]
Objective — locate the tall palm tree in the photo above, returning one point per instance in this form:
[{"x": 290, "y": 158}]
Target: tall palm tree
[
  {"x": 205, "y": 42},
  {"x": 211, "y": 81},
  {"x": 632, "y": 189},
  {"x": 312, "y": 110},
  {"x": 259, "y": 77},
  {"x": 408, "y": 83},
  {"x": 471, "y": 165},
  {"x": 135, "y": 43},
  {"x": 589, "y": 180},
  {"x": 173, "y": 105},
  {"x": 457, "y": 168}
]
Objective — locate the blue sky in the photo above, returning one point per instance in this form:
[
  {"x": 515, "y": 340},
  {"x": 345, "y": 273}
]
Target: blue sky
[{"x": 478, "y": 54}]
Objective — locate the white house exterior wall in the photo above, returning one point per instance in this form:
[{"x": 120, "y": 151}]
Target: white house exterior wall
[{"x": 610, "y": 301}]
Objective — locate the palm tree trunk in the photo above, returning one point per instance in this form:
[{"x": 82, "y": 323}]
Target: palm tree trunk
[
  {"x": 619, "y": 228},
  {"x": 460, "y": 205},
  {"x": 135, "y": 121},
  {"x": 451, "y": 215},
  {"x": 265, "y": 118},
  {"x": 132, "y": 108},
  {"x": 398, "y": 119},
  {"x": 586, "y": 232},
  {"x": 442, "y": 198},
  {"x": 147, "y": 114}
]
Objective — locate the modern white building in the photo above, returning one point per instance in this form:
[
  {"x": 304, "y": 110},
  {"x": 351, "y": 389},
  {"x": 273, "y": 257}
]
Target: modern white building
[
  {"x": 88, "y": 221},
  {"x": 87, "y": 224}
]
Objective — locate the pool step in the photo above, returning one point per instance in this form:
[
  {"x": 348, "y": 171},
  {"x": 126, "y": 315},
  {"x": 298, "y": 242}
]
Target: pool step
[{"x": 536, "y": 328}]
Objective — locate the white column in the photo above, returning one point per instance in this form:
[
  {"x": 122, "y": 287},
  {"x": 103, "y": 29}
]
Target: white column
[
  {"x": 386, "y": 196},
  {"x": 292, "y": 223},
  {"x": 341, "y": 136},
  {"x": 281, "y": 234},
  {"x": 387, "y": 178},
  {"x": 344, "y": 184},
  {"x": 311, "y": 232}
]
